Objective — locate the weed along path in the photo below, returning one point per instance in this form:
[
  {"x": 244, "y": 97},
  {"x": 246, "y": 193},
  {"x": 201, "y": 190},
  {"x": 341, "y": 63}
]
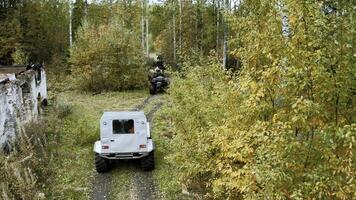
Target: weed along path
[{"x": 126, "y": 180}]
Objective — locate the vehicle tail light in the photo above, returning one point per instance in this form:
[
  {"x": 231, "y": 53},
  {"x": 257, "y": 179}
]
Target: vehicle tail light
[
  {"x": 105, "y": 146},
  {"x": 142, "y": 146}
]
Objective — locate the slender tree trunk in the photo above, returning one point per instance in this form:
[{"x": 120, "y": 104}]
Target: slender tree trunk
[
  {"x": 85, "y": 9},
  {"x": 174, "y": 32},
  {"x": 180, "y": 25},
  {"x": 196, "y": 25},
  {"x": 218, "y": 27},
  {"x": 70, "y": 24},
  {"x": 143, "y": 24},
  {"x": 147, "y": 39},
  {"x": 200, "y": 25},
  {"x": 225, "y": 48},
  {"x": 214, "y": 12},
  {"x": 285, "y": 21},
  {"x": 110, "y": 7},
  {"x": 147, "y": 45}
]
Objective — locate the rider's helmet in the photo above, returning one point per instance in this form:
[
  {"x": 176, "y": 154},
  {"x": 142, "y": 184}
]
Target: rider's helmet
[
  {"x": 160, "y": 63},
  {"x": 159, "y": 58}
]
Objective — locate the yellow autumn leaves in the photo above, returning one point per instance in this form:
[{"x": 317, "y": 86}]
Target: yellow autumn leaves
[{"x": 283, "y": 127}]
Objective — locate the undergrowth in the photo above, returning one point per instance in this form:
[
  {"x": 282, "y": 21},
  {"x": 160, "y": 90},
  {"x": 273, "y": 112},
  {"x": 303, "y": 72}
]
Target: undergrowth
[
  {"x": 165, "y": 173},
  {"x": 24, "y": 172}
]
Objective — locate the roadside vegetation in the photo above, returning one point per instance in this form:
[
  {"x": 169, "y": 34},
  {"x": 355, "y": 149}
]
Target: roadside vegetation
[
  {"x": 107, "y": 57},
  {"x": 165, "y": 174},
  {"x": 25, "y": 171},
  {"x": 281, "y": 127},
  {"x": 261, "y": 104},
  {"x": 241, "y": 138}
]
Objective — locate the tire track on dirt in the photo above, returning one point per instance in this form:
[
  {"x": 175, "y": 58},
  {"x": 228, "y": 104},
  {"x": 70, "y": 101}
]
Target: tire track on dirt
[
  {"x": 101, "y": 186},
  {"x": 142, "y": 184}
]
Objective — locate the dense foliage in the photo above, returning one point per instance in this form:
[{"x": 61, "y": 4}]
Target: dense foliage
[
  {"x": 279, "y": 126},
  {"x": 284, "y": 126},
  {"x": 108, "y": 57},
  {"x": 185, "y": 27},
  {"x": 24, "y": 170},
  {"x": 28, "y": 27}
]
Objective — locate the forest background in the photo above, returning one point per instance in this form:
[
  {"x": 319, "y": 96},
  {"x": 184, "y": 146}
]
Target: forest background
[{"x": 269, "y": 84}]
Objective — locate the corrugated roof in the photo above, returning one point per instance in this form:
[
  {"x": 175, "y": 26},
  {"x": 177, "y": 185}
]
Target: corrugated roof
[
  {"x": 9, "y": 72},
  {"x": 12, "y": 70},
  {"x": 3, "y": 77}
]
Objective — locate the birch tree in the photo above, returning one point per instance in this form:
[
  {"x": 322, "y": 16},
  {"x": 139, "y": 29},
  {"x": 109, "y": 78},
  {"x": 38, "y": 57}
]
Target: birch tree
[
  {"x": 218, "y": 27},
  {"x": 147, "y": 28},
  {"x": 180, "y": 25},
  {"x": 86, "y": 9},
  {"x": 225, "y": 36},
  {"x": 174, "y": 31},
  {"x": 143, "y": 24},
  {"x": 70, "y": 31}
]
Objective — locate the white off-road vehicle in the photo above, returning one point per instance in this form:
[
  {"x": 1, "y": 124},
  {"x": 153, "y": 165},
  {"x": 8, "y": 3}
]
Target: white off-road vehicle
[{"x": 124, "y": 135}]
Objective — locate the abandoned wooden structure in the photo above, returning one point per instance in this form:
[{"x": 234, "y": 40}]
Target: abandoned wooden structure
[{"x": 23, "y": 91}]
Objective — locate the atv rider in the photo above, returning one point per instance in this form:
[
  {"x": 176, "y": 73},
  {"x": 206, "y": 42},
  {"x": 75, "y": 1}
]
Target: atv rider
[
  {"x": 158, "y": 79},
  {"x": 159, "y": 67},
  {"x": 160, "y": 63}
]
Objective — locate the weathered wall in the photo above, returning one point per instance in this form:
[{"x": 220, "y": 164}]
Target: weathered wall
[{"x": 20, "y": 102}]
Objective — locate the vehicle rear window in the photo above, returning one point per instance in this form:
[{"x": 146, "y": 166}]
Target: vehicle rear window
[{"x": 123, "y": 126}]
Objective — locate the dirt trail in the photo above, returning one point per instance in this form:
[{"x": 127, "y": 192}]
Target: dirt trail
[
  {"x": 101, "y": 186},
  {"x": 142, "y": 186}
]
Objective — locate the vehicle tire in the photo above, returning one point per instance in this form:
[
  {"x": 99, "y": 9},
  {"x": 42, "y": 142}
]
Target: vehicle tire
[
  {"x": 153, "y": 89},
  {"x": 148, "y": 162},
  {"x": 101, "y": 164}
]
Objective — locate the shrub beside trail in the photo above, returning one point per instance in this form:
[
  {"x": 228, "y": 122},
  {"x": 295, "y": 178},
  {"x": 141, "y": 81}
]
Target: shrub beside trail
[
  {"x": 284, "y": 126},
  {"x": 26, "y": 168},
  {"x": 242, "y": 138},
  {"x": 107, "y": 57}
]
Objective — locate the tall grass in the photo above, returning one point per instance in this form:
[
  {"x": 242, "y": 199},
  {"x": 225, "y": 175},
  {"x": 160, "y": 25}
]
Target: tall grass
[{"x": 23, "y": 171}]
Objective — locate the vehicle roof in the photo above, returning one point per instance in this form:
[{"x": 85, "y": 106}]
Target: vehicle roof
[{"x": 123, "y": 115}]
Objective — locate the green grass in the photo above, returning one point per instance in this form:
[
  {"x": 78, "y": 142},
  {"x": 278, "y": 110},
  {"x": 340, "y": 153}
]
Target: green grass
[
  {"x": 121, "y": 180},
  {"x": 164, "y": 173}
]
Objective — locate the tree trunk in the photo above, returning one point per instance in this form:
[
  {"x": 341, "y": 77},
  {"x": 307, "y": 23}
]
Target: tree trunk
[
  {"x": 217, "y": 27},
  {"x": 225, "y": 48},
  {"x": 110, "y": 7},
  {"x": 70, "y": 24},
  {"x": 143, "y": 25},
  {"x": 174, "y": 32},
  {"x": 147, "y": 46},
  {"x": 85, "y": 9},
  {"x": 196, "y": 25},
  {"x": 200, "y": 24},
  {"x": 180, "y": 25}
]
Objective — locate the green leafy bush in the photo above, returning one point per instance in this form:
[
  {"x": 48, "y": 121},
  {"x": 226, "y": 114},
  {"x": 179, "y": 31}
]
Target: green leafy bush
[
  {"x": 19, "y": 57},
  {"x": 284, "y": 127},
  {"x": 232, "y": 141},
  {"x": 107, "y": 57}
]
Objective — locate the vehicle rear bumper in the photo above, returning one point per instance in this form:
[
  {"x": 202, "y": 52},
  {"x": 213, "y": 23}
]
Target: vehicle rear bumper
[{"x": 124, "y": 156}]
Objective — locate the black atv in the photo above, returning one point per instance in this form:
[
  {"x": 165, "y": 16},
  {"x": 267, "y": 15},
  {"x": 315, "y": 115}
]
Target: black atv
[{"x": 159, "y": 81}]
